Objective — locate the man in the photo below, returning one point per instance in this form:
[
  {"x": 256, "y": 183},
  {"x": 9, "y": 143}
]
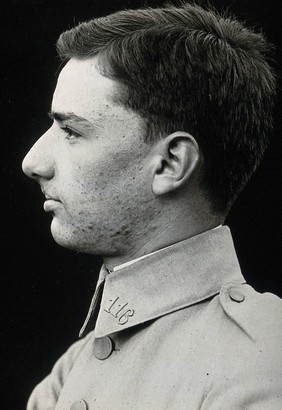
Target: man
[{"x": 160, "y": 116}]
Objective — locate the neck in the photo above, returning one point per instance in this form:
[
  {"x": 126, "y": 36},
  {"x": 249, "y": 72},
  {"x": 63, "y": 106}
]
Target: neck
[{"x": 173, "y": 231}]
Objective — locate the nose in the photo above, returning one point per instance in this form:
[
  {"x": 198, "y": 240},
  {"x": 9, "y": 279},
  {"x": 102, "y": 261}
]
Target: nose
[{"x": 38, "y": 162}]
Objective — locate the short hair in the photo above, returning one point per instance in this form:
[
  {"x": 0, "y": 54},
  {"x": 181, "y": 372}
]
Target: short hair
[{"x": 189, "y": 69}]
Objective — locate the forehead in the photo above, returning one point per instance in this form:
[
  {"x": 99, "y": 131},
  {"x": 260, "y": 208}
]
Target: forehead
[{"x": 82, "y": 90}]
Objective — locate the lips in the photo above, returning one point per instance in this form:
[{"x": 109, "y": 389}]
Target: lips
[
  {"x": 51, "y": 204},
  {"x": 49, "y": 197}
]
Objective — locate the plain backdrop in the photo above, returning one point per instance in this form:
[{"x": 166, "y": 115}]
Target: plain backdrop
[{"x": 45, "y": 289}]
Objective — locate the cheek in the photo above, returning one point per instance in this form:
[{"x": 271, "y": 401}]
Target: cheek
[
  {"x": 88, "y": 189},
  {"x": 107, "y": 184},
  {"x": 99, "y": 176}
]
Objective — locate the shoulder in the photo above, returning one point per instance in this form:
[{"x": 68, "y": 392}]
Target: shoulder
[
  {"x": 247, "y": 358},
  {"x": 46, "y": 394},
  {"x": 258, "y": 315}
]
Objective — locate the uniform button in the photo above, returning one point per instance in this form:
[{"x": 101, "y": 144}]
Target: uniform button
[
  {"x": 103, "y": 347},
  {"x": 236, "y": 295},
  {"x": 79, "y": 405}
]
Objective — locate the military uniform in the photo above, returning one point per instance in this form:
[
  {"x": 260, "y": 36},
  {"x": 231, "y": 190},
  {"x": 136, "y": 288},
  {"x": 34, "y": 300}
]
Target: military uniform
[{"x": 179, "y": 329}]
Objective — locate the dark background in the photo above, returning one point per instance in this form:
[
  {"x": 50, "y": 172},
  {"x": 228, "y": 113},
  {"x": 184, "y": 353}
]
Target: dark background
[{"x": 46, "y": 289}]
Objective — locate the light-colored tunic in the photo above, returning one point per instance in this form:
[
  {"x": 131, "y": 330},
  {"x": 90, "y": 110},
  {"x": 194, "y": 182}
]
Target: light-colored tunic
[{"x": 179, "y": 329}]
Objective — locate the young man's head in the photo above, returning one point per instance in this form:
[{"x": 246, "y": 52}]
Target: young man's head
[
  {"x": 189, "y": 69},
  {"x": 159, "y": 114}
]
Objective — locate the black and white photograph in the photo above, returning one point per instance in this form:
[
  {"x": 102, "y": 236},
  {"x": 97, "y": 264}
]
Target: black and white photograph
[{"x": 141, "y": 205}]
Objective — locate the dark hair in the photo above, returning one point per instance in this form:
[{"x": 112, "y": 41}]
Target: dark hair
[{"x": 191, "y": 69}]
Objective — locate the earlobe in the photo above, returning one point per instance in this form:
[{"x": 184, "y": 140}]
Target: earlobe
[{"x": 176, "y": 159}]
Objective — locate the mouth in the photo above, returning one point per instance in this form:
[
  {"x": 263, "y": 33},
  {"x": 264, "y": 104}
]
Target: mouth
[
  {"x": 51, "y": 205},
  {"x": 49, "y": 197}
]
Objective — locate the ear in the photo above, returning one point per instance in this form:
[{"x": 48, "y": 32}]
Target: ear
[{"x": 175, "y": 159}]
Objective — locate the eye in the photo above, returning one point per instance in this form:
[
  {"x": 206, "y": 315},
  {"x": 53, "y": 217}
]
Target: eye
[{"x": 71, "y": 134}]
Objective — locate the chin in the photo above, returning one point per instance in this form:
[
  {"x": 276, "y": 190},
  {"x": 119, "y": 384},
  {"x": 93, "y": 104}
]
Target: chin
[
  {"x": 74, "y": 240},
  {"x": 64, "y": 241},
  {"x": 65, "y": 237},
  {"x": 74, "y": 245},
  {"x": 95, "y": 242}
]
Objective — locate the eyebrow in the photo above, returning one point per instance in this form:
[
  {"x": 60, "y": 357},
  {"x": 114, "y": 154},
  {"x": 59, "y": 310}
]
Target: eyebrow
[{"x": 70, "y": 117}]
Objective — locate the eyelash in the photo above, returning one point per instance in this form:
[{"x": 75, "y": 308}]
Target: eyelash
[{"x": 70, "y": 133}]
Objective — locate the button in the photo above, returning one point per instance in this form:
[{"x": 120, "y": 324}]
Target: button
[
  {"x": 103, "y": 347},
  {"x": 79, "y": 405},
  {"x": 236, "y": 294}
]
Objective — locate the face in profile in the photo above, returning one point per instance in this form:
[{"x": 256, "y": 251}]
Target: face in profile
[{"x": 92, "y": 164}]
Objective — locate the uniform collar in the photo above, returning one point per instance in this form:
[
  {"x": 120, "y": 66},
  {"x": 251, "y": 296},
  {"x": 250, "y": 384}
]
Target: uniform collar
[
  {"x": 123, "y": 265},
  {"x": 178, "y": 276}
]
